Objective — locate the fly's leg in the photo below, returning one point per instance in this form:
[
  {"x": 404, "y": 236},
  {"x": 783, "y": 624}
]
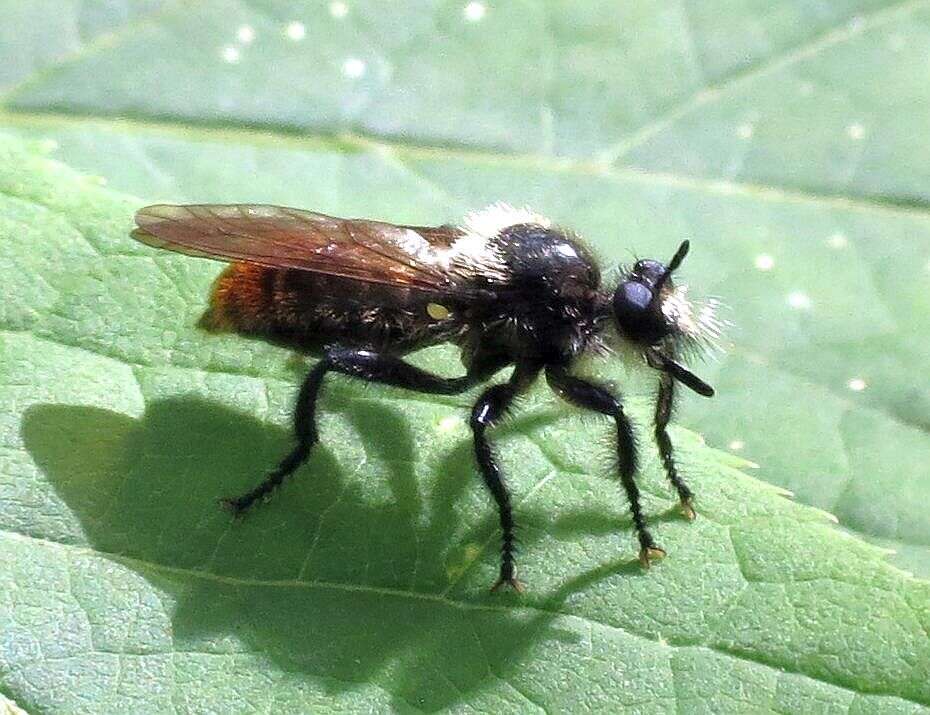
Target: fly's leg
[
  {"x": 490, "y": 407},
  {"x": 594, "y": 397},
  {"x": 664, "y": 406},
  {"x": 363, "y": 365}
]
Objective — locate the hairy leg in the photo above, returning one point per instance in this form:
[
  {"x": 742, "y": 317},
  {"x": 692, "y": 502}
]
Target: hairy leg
[
  {"x": 364, "y": 365},
  {"x": 594, "y": 397},
  {"x": 664, "y": 406},
  {"x": 490, "y": 407}
]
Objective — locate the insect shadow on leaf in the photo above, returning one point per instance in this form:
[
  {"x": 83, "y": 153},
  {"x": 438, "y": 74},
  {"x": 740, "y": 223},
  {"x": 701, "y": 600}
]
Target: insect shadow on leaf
[
  {"x": 143, "y": 491},
  {"x": 508, "y": 287}
]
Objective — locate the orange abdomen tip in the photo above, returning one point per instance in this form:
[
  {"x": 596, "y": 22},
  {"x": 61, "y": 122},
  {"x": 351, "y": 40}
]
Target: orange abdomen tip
[{"x": 242, "y": 300}]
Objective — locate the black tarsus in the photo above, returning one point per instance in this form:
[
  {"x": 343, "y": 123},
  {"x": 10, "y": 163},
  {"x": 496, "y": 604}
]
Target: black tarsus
[
  {"x": 664, "y": 406},
  {"x": 365, "y": 365},
  {"x": 594, "y": 397},
  {"x": 488, "y": 409}
]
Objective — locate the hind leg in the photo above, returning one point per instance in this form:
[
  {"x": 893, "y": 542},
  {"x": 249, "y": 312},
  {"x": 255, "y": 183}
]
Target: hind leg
[{"x": 363, "y": 365}]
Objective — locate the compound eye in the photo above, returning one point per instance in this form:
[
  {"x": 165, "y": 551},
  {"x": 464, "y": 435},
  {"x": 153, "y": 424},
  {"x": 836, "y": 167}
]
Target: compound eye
[
  {"x": 636, "y": 314},
  {"x": 631, "y": 299}
]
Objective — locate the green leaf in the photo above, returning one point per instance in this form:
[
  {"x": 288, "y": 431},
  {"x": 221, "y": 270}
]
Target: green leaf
[
  {"x": 363, "y": 585},
  {"x": 756, "y": 129}
]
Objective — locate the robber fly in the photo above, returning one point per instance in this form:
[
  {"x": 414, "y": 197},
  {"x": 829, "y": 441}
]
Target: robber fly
[{"x": 507, "y": 287}]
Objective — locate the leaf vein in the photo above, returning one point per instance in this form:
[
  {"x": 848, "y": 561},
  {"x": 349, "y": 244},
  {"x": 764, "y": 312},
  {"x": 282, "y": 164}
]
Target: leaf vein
[
  {"x": 442, "y": 600},
  {"x": 709, "y": 94}
]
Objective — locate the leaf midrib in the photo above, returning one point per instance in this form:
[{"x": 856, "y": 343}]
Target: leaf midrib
[
  {"x": 398, "y": 151},
  {"x": 436, "y": 599},
  {"x": 280, "y": 137}
]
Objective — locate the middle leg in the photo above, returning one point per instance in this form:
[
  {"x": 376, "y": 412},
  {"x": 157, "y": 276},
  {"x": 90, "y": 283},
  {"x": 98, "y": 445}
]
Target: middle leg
[
  {"x": 490, "y": 407},
  {"x": 594, "y": 397}
]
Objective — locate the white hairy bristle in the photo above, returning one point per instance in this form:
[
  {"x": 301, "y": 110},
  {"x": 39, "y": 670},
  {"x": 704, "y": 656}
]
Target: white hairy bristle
[
  {"x": 414, "y": 244},
  {"x": 697, "y": 322},
  {"x": 474, "y": 251},
  {"x": 491, "y": 220}
]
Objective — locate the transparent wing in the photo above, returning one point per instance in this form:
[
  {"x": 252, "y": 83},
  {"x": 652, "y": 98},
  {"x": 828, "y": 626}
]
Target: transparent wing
[{"x": 280, "y": 237}]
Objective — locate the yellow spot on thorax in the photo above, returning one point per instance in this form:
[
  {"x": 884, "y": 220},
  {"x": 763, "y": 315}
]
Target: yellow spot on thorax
[{"x": 437, "y": 311}]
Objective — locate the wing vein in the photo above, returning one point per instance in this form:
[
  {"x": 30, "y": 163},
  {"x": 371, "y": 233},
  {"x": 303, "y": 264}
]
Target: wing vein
[{"x": 280, "y": 237}]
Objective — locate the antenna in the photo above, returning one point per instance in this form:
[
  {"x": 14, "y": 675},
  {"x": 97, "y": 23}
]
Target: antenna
[{"x": 673, "y": 265}]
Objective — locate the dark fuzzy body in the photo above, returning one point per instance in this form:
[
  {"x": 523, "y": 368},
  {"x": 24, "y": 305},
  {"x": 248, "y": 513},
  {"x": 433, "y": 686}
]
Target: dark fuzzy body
[
  {"x": 308, "y": 311},
  {"x": 505, "y": 287},
  {"x": 546, "y": 308}
]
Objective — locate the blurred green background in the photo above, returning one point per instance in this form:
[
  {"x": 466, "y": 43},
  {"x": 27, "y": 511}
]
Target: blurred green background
[{"x": 788, "y": 141}]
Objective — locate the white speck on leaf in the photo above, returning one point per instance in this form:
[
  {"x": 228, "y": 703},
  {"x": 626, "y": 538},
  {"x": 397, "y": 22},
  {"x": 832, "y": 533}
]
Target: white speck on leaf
[
  {"x": 744, "y": 131},
  {"x": 246, "y": 34},
  {"x": 799, "y": 300},
  {"x": 230, "y": 54},
  {"x": 353, "y": 68},
  {"x": 855, "y": 131},
  {"x": 338, "y": 9},
  {"x": 764, "y": 262},
  {"x": 837, "y": 240},
  {"x": 856, "y": 384},
  {"x": 737, "y": 444},
  {"x": 474, "y": 11},
  {"x": 295, "y": 31},
  {"x": 450, "y": 423}
]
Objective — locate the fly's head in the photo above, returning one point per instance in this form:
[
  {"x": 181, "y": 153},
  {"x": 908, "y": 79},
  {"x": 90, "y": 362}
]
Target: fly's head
[
  {"x": 654, "y": 314},
  {"x": 637, "y": 303}
]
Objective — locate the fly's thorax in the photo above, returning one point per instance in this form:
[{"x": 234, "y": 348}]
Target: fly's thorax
[
  {"x": 547, "y": 260},
  {"x": 502, "y": 246},
  {"x": 546, "y": 293}
]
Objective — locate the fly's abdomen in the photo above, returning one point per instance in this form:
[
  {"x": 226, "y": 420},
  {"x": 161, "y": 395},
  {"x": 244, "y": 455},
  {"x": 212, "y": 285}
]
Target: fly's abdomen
[
  {"x": 306, "y": 311},
  {"x": 242, "y": 300}
]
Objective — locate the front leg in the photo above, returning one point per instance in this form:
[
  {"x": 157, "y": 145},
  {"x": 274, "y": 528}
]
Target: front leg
[
  {"x": 664, "y": 405},
  {"x": 490, "y": 407},
  {"x": 594, "y": 397},
  {"x": 364, "y": 365}
]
